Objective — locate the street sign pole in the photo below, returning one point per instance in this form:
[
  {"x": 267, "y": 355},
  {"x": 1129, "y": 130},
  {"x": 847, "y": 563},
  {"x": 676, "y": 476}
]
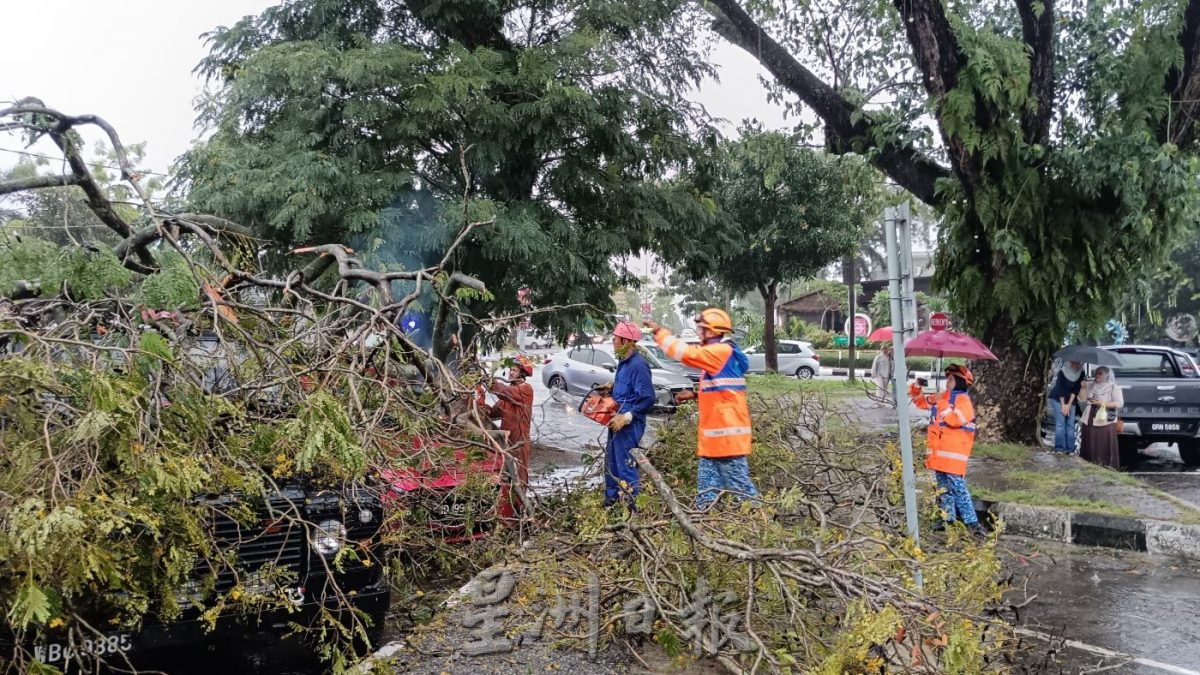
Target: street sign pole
[
  {"x": 904, "y": 239},
  {"x": 896, "y": 288}
]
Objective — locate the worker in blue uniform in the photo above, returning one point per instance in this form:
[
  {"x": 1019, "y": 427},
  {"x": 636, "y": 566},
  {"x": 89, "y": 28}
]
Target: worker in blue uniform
[{"x": 633, "y": 391}]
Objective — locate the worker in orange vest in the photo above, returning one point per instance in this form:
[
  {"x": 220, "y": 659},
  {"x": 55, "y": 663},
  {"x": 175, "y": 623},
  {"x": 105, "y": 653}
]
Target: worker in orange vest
[
  {"x": 723, "y": 443},
  {"x": 951, "y": 435}
]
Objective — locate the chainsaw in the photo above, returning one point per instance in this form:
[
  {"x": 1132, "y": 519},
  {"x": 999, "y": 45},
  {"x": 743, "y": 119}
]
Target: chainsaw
[{"x": 598, "y": 405}]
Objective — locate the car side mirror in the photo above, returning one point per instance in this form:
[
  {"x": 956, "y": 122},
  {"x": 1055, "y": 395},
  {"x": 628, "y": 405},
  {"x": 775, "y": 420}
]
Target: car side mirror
[{"x": 612, "y": 368}]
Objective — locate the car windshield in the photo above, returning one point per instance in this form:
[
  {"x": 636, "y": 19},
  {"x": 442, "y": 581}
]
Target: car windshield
[
  {"x": 1145, "y": 364},
  {"x": 654, "y": 358}
]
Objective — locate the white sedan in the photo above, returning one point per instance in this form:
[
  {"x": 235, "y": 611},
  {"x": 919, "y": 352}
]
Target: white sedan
[{"x": 795, "y": 358}]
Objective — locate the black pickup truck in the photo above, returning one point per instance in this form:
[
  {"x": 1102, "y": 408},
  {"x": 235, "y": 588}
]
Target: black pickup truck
[{"x": 1161, "y": 387}]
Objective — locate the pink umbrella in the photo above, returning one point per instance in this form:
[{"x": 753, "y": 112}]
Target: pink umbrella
[
  {"x": 881, "y": 335},
  {"x": 943, "y": 343}
]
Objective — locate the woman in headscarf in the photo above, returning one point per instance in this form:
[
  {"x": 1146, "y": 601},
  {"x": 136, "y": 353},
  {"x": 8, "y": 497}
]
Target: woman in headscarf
[
  {"x": 1063, "y": 396},
  {"x": 1104, "y": 402}
]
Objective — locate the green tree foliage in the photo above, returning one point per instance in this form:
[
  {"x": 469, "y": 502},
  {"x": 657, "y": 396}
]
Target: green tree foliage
[
  {"x": 561, "y": 121},
  {"x": 61, "y": 214},
  {"x": 795, "y": 211},
  {"x": 1057, "y": 141}
]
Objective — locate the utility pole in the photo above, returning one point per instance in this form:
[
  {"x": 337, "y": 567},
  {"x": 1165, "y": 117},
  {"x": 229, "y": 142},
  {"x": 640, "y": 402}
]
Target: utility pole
[
  {"x": 895, "y": 225},
  {"x": 848, "y": 274}
]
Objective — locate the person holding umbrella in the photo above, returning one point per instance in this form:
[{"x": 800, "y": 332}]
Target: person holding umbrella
[
  {"x": 950, "y": 439},
  {"x": 882, "y": 371},
  {"x": 1099, "y": 432}
]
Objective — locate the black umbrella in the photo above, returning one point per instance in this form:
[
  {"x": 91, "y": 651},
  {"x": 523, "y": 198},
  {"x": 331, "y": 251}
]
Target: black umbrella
[{"x": 1088, "y": 354}]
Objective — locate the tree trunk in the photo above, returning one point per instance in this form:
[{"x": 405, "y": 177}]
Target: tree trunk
[
  {"x": 1009, "y": 393},
  {"x": 770, "y": 293}
]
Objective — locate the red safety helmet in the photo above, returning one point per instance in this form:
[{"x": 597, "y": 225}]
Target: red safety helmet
[
  {"x": 522, "y": 362},
  {"x": 628, "y": 330},
  {"x": 961, "y": 372}
]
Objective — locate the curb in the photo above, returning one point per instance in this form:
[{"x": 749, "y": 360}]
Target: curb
[{"x": 1157, "y": 537}]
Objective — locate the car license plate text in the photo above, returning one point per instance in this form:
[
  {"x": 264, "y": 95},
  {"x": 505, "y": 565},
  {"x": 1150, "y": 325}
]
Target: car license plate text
[
  {"x": 103, "y": 646},
  {"x": 1161, "y": 426}
]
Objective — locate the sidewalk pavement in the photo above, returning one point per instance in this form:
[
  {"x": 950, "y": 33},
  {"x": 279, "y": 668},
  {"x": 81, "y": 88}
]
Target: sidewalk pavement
[
  {"x": 1063, "y": 498},
  {"x": 1059, "y": 497}
]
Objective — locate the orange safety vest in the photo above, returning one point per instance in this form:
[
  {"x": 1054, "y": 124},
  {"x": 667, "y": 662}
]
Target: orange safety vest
[
  {"x": 951, "y": 434},
  {"x": 724, "y": 414}
]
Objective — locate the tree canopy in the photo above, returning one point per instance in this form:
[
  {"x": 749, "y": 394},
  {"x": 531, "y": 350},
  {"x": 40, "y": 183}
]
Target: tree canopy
[
  {"x": 1057, "y": 142},
  {"x": 562, "y": 121},
  {"x": 795, "y": 211}
]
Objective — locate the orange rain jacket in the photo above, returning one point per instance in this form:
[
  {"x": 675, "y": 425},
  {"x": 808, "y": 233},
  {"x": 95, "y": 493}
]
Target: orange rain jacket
[
  {"x": 951, "y": 433},
  {"x": 724, "y": 414}
]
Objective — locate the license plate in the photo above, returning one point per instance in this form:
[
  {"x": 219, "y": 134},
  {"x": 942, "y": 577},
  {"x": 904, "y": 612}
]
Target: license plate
[
  {"x": 1161, "y": 426},
  {"x": 108, "y": 645},
  {"x": 450, "y": 509}
]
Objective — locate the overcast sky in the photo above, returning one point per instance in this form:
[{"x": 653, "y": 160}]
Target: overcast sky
[{"x": 131, "y": 61}]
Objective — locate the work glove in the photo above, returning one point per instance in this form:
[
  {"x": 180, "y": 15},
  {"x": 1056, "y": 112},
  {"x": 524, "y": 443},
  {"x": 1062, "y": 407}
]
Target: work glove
[{"x": 621, "y": 421}]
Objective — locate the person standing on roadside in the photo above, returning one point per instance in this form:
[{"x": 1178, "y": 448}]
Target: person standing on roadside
[
  {"x": 633, "y": 391},
  {"x": 514, "y": 409},
  {"x": 724, "y": 434},
  {"x": 1063, "y": 395},
  {"x": 950, "y": 438},
  {"x": 1104, "y": 402},
  {"x": 882, "y": 369}
]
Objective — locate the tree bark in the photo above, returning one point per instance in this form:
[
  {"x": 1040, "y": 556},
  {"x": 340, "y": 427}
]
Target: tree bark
[
  {"x": 37, "y": 182},
  {"x": 770, "y": 294},
  {"x": 1183, "y": 86},
  {"x": 1009, "y": 393},
  {"x": 910, "y": 169},
  {"x": 1038, "y": 33}
]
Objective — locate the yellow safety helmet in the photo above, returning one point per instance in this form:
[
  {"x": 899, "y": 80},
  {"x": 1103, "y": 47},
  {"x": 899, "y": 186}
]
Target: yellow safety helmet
[{"x": 716, "y": 320}]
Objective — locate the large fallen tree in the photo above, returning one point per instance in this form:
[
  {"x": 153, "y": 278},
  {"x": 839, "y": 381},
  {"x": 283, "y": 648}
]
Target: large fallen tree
[{"x": 121, "y": 420}]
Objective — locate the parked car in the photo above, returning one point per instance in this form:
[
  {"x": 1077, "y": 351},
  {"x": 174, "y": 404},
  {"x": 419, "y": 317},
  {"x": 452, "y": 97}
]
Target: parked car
[
  {"x": 538, "y": 340},
  {"x": 668, "y": 363},
  {"x": 795, "y": 358},
  {"x": 1162, "y": 401},
  {"x": 579, "y": 369}
]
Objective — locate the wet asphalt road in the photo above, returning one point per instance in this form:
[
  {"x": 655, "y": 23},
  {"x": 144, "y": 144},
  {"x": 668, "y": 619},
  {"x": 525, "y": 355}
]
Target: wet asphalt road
[
  {"x": 1144, "y": 607},
  {"x": 1161, "y": 467}
]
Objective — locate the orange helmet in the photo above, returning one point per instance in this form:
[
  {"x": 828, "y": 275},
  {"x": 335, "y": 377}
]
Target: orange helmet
[
  {"x": 961, "y": 372},
  {"x": 716, "y": 320}
]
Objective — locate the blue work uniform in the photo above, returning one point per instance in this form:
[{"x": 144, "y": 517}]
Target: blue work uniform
[{"x": 633, "y": 390}]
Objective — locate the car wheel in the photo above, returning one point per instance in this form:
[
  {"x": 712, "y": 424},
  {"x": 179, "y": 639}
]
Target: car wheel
[
  {"x": 1128, "y": 450},
  {"x": 1189, "y": 452},
  {"x": 557, "y": 382},
  {"x": 805, "y": 373}
]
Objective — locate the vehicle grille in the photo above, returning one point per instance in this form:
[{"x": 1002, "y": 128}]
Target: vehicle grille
[{"x": 274, "y": 541}]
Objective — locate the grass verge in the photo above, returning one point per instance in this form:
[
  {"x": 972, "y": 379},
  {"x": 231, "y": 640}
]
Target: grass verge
[{"x": 772, "y": 386}]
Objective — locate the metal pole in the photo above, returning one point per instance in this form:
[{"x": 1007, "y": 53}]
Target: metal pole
[
  {"x": 901, "y": 383},
  {"x": 904, "y": 239},
  {"x": 848, "y": 269}
]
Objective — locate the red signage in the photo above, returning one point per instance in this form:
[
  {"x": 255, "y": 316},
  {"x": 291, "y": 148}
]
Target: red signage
[
  {"x": 862, "y": 325},
  {"x": 939, "y": 321},
  {"x": 523, "y": 297}
]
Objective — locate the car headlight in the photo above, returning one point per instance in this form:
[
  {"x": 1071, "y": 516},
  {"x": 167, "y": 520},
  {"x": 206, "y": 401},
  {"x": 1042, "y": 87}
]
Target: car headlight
[
  {"x": 328, "y": 537},
  {"x": 190, "y": 592}
]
